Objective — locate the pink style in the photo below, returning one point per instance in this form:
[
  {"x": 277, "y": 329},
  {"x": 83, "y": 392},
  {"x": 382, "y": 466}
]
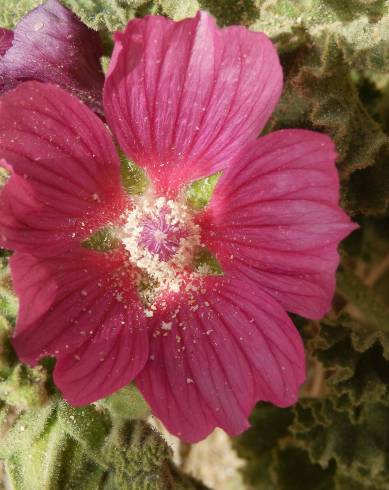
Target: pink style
[{"x": 184, "y": 100}]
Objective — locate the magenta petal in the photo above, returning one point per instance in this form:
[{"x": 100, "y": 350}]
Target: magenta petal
[
  {"x": 213, "y": 356},
  {"x": 66, "y": 178},
  {"x": 182, "y": 97},
  {"x": 275, "y": 218},
  {"x": 72, "y": 307},
  {"x": 6, "y": 37},
  {"x": 52, "y": 45}
]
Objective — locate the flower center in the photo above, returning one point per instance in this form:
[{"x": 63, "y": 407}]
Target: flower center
[{"x": 161, "y": 238}]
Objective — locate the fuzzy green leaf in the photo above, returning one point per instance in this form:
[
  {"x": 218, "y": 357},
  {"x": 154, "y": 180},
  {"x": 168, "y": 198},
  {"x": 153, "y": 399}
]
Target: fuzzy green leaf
[
  {"x": 229, "y": 12},
  {"x": 358, "y": 445},
  {"x": 126, "y": 404},
  {"x": 27, "y": 428},
  {"x": 360, "y": 29},
  {"x": 87, "y": 426},
  {"x": 60, "y": 447},
  {"x": 320, "y": 94},
  {"x": 273, "y": 459},
  {"x": 178, "y": 10}
]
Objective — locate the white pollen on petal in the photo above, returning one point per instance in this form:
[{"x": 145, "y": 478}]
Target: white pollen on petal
[
  {"x": 119, "y": 297},
  {"x": 38, "y": 26},
  {"x": 166, "y": 325}
]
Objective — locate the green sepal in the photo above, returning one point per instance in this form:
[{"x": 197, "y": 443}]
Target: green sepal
[
  {"x": 134, "y": 178},
  {"x": 102, "y": 240},
  {"x": 205, "y": 260},
  {"x": 199, "y": 193}
]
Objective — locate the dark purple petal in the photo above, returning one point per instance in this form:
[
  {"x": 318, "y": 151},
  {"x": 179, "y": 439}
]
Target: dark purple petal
[
  {"x": 6, "y": 37},
  {"x": 52, "y": 45}
]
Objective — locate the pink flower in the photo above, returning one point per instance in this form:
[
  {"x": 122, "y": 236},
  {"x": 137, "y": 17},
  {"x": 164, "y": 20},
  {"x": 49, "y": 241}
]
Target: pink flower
[
  {"x": 51, "y": 44},
  {"x": 184, "y": 100}
]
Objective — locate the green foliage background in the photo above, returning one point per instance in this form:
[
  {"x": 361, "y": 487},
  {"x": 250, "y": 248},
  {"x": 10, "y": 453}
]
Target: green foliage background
[{"x": 335, "y": 55}]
